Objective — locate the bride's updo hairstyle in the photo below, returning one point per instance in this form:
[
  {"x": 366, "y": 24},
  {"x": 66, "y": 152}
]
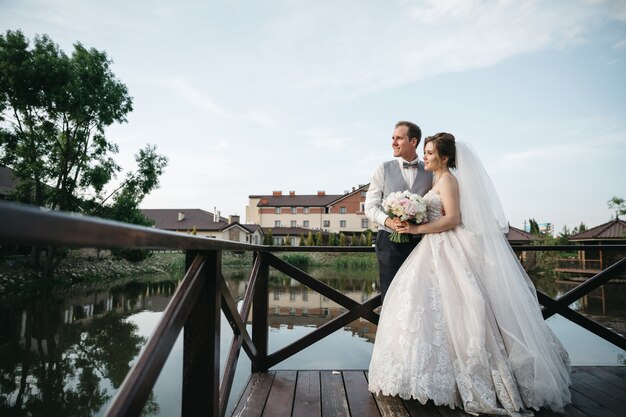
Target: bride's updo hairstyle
[{"x": 445, "y": 145}]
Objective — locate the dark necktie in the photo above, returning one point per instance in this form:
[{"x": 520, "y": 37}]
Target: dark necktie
[{"x": 413, "y": 165}]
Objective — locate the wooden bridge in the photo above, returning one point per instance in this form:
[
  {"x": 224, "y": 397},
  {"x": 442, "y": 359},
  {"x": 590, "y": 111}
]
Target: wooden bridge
[{"x": 202, "y": 295}]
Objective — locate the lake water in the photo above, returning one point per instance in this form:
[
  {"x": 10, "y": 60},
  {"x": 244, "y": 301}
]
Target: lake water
[{"x": 66, "y": 354}]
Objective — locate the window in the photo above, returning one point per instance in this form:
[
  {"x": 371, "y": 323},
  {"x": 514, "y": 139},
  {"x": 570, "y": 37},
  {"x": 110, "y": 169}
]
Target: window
[
  {"x": 364, "y": 223},
  {"x": 342, "y": 210},
  {"x": 294, "y": 210},
  {"x": 342, "y": 223},
  {"x": 363, "y": 193},
  {"x": 305, "y": 223},
  {"x": 276, "y": 223},
  {"x": 362, "y": 207},
  {"x": 292, "y": 294},
  {"x": 305, "y": 210},
  {"x": 326, "y": 223},
  {"x": 277, "y": 295},
  {"x": 293, "y": 223},
  {"x": 305, "y": 294},
  {"x": 276, "y": 210}
]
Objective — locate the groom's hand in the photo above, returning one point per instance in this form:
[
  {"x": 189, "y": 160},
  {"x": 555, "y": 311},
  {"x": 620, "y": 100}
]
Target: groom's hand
[{"x": 393, "y": 224}]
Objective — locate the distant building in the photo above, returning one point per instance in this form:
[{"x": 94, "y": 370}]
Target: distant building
[
  {"x": 204, "y": 223},
  {"x": 333, "y": 213},
  {"x": 592, "y": 261},
  {"x": 8, "y": 182}
]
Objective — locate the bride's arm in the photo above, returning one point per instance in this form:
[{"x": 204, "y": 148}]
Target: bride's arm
[{"x": 449, "y": 192}]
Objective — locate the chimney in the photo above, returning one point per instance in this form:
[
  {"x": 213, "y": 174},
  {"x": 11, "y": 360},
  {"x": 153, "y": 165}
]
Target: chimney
[
  {"x": 214, "y": 214},
  {"x": 277, "y": 193},
  {"x": 233, "y": 218},
  {"x": 321, "y": 193},
  {"x": 353, "y": 188},
  {"x": 181, "y": 216},
  {"x": 292, "y": 193}
]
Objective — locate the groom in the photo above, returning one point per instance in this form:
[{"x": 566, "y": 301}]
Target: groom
[{"x": 406, "y": 172}]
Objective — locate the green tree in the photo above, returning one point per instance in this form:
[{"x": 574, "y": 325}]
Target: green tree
[
  {"x": 534, "y": 227},
  {"x": 342, "y": 239},
  {"x": 287, "y": 241},
  {"x": 617, "y": 204},
  {"x": 579, "y": 229},
  {"x": 563, "y": 238},
  {"x": 309, "y": 239},
  {"x": 54, "y": 110},
  {"x": 302, "y": 241},
  {"x": 270, "y": 238},
  {"x": 368, "y": 236},
  {"x": 319, "y": 238}
]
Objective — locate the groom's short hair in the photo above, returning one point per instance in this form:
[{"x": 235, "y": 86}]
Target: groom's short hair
[{"x": 413, "y": 132}]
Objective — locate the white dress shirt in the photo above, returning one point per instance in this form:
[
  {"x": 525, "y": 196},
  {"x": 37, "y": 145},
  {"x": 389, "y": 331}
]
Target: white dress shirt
[{"x": 374, "y": 197}]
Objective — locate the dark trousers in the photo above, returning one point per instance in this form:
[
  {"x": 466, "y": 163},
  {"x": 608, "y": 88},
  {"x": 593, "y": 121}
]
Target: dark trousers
[{"x": 390, "y": 257}]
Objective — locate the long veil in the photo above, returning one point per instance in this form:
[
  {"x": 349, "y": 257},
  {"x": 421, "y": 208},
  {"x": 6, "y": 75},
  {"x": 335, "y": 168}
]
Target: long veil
[{"x": 538, "y": 359}]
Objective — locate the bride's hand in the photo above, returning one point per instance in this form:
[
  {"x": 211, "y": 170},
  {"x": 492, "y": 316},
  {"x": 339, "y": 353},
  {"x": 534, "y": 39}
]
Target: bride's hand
[{"x": 408, "y": 227}]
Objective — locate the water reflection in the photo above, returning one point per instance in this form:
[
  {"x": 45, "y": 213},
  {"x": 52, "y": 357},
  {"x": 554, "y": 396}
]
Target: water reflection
[{"x": 66, "y": 354}]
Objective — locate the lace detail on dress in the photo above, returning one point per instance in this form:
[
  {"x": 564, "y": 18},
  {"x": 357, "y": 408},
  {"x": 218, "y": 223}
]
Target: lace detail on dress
[{"x": 438, "y": 337}]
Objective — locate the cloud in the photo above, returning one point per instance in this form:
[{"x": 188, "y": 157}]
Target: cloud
[
  {"x": 621, "y": 44},
  {"x": 325, "y": 140},
  {"x": 194, "y": 96},
  {"x": 383, "y": 46},
  {"x": 264, "y": 119},
  {"x": 587, "y": 153}
]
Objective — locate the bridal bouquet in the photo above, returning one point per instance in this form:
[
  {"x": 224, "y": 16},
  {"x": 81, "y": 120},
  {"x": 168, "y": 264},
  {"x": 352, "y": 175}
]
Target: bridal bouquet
[{"x": 407, "y": 207}]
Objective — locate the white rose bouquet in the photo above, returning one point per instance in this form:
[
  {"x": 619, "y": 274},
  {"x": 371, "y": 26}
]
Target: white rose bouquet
[{"x": 407, "y": 207}]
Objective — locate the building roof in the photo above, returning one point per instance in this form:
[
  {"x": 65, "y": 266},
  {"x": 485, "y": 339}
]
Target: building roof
[
  {"x": 518, "y": 235},
  {"x": 168, "y": 219},
  {"x": 253, "y": 228},
  {"x": 354, "y": 191},
  {"x": 305, "y": 200},
  {"x": 613, "y": 230},
  {"x": 8, "y": 181}
]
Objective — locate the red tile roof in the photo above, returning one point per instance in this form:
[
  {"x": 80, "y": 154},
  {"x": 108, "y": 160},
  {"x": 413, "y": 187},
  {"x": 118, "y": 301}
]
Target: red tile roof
[
  {"x": 613, "y": 230},
  {"x": 313, "y": 200}
]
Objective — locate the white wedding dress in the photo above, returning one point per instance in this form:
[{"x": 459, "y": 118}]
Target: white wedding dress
[{"x": 454, "y": 331}]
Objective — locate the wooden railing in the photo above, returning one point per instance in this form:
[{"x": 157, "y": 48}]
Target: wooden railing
[{"x": 203, "y": 294}]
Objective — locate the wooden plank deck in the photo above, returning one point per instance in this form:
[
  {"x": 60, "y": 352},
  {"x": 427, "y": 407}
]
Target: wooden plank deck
[{"x": 597, "y": 391}]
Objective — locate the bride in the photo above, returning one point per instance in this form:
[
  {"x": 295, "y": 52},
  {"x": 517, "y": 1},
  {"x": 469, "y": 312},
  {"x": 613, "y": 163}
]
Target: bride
[{"x": 461, "y": 324}]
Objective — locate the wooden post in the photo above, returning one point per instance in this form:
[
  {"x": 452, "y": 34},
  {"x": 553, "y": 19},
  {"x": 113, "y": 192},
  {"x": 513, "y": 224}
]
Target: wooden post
[
  {"x": 201, "y": 345},
  {"x": 259, "y": 316}
]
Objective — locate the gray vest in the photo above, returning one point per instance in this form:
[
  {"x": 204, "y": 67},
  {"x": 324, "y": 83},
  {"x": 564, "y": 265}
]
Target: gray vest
[{"x": 394, "y": 181}]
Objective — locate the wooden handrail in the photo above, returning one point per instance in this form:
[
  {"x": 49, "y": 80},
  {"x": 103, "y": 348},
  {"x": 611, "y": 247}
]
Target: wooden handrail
[
  {"x": 202, "y": 294},
  {"x": 134, "y": 391}
]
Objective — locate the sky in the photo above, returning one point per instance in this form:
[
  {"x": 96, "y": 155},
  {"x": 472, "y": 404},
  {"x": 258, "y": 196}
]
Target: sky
[{"x": 249, "y": 97}]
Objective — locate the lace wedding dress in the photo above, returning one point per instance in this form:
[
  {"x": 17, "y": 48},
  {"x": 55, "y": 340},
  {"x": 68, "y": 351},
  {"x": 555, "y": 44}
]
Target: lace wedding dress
[{"x": 451, "y": 331}]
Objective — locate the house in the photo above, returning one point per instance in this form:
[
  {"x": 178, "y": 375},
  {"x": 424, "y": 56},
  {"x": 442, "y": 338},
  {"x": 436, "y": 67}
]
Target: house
[
  {"x": 8, "y": 182},
  {"x": 593, "y": 261},
  {"x": 204, "y": 223},
  {"x": 518, "y": 237},
  {"x": 333, "y": 213}
]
